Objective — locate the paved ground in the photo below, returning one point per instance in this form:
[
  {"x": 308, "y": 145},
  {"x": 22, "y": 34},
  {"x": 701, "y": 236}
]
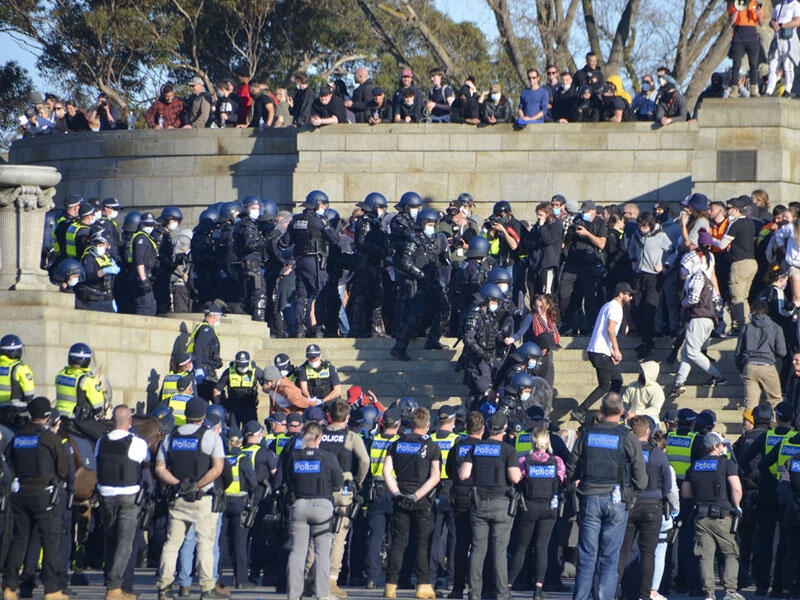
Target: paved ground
[{"x": 145, "y": 587}]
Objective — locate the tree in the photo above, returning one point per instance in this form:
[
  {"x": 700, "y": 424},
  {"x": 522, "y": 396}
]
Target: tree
[{"x": 15, "y": 89}]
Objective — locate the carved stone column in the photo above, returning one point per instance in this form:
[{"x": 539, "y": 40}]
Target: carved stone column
[{"x": 26, "y": 194}]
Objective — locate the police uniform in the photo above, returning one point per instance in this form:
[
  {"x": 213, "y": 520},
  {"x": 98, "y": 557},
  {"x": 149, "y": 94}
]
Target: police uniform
[
  {"x": 789, "y": 491},
  {"x": 227, "y": 284},
  {"x": 480, "y": 332},
  {"x": 96, "y": 292},
  {"x": 461, "y": 512},
  {"x": 17, "y": 387},
  {"x": 39, "y": 461},
  {"x": 204, "y": 347},
  {"x": 264, "y": 464},
  {"x": 708, "y": 478},
  {"x": 120, "y": 455},
  {"x": 238, "y": 495},
  {"x": 188, "y": 454},
  {"x": 143, "y": 251},
  {"x": 169, "y": 385},
  {"x": 490, "y": 517},
  {"x": 241, "y": 392},
  {"x": 60, "y": 235},
  {"x": 77, "y": 239},
  {"x": 371, "y": 248},
  {"x": 248, "y": 247},
  {"x": 401, "y": 227},
  {"x": 320, "y": 381},
  {"x": 314, "y": 476},
  {"x": 379, "y": 508},
  {"x": 444, "y": 535},
  {"x": 78, "y": 393}
]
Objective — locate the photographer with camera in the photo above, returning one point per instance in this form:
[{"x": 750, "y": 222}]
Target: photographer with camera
[
  {"x": 105, "y": 113},
  {"x": 504, "y": 233},
  {"x": 584, "y": 245}
]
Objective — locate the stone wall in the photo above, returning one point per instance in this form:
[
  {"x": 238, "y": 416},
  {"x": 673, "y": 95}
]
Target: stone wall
[{"x": 750, "y": 142}]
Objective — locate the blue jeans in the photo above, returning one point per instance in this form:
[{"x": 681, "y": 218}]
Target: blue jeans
[{"x": 601, "y": 528}]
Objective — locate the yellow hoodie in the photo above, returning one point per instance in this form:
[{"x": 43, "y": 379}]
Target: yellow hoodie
[{"x": 617, "y": 81}]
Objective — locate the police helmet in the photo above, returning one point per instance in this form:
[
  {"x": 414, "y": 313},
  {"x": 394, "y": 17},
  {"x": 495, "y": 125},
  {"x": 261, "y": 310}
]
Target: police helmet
[
  {"x": 499, "y": 275},
  {"x": 111, "y": 202},
  {"x": 219, "y": 411},
  {"x": 490, "y": 291},
  {"x": 478, "y": 247},
  {"x": 372, "y": 202},
  {"x": 131, "y": 222},
  {"x": 408, "y": 200},
  {"x": 500, "y": 208},
  {"x": 169, "y": 213},
  {"x": 686, "y": 417},
  {"x": 11, "y": 346},
  {"x": 784, "y": 411},
  {"x": 282, "y": 361},
  {"x": 312, "y": 351},
  {"x": 209, "y": 216},
  {"x": 228, "y": 212},
  {"x": 332, "y": 217},
  {"x": 427, "y": 215},
  {"x": 530, "y": 350},
  {"x": 147, "y": 218},
  {"x": 371, "y": 417},
  {"x": 250, "y": 200},
  {"x": 488, "y": 409},
  {"x": 164, "y": 415},
  {"x": 72, "y": 200},
  {"x": 66, "y": 269},
  {"x": 519, "y": 382},
  {"x": 406, "y": 405},
  {"x": 242, "y": 359},
  {"x": 79, "y": 354},
  {"x": 269, "y": 210},
  {"x": 465, "y": 198},
  {"x": 315, "y": 198}
]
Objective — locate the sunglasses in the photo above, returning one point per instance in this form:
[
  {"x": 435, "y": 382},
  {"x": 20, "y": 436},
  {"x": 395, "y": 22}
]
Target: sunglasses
[
  {"x": 552, "y": 72},
  {"x": 533, "y": 77}
]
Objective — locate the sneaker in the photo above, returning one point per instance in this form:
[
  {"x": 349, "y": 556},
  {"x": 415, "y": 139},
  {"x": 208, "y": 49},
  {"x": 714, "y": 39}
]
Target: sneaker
[
  {"x": 399, "y": 353},
  {"x": 185, "y": 591},
  {"x": 677, "y": 390},
  {"x": 434, "y": 345},
  {"x": 732, "y": 595},
  {"x": 213, "y": 594},
  {"x": 654, "y": 595}
]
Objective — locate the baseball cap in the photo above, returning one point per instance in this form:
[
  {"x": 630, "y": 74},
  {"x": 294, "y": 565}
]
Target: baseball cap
[
  {"x": 784, "y": 411},
  {"x": 558, "y": 199},
  {"x": 497, "y": 422},
  {"x": 535, "y": 413},
  {"x": 406, "y": 73},
  {"x": 377, "y": 91},
  {"x": 314, "y": 413},
  {"x": 196, "y": 409},
  {"x": 354, "y": 394},
  {"x": 294, "y": 419},
  {"x": 39, "y": 408},
  {"x": 252, "y": 427},
  {"x": 391, "y": 416},
  {"x": 447, "y": 412},
  {"x": 588, "y": 205},
  {"x": 572, "y": 206},
  {"x": 325, "y": 90},
  {"x": 196, "y": 81},
  {"x": 278, "y": 417},
  {"x": 623, "y": 287},
  {"x": 739, "y": 202}
]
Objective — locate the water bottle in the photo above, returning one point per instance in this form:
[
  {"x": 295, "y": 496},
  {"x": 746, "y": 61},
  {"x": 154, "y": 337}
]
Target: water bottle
[
  {"x": 261, "y": 124},
  {"x": 161, "y": 121},
  {"x": 554, "y": 502},
  {"x": 616, "y": 495},
  {"x": 346, "y": 490},
  {"x": 376, "y": 115},
  {"x": 131, "y": 120}
]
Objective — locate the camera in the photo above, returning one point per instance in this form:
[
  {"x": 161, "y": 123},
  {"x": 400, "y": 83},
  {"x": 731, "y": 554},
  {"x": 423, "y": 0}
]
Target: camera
[
  {"x": 577, "y": 221},
  {"x": 491, "y": 221}
]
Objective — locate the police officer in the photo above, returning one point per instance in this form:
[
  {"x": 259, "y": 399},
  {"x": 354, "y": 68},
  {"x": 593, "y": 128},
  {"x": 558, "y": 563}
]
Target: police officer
[
  {"x": 143, "y": 260},
  {"x": 412, "y": 470},
  {"x": 41, "y": 465},
  {"x": 424, "y": 255},
  {"x": 204, "y": 347},
  {"x": 108, "y": 225},
  {"x": 462, "y": 504},
  {"x": 248, "y": 248},
  {"x": 17, "y": 387},
  {"x": 190, "y": 460},
  {"x": 379, "y": 500},
  {"x": 182, "y": 365},
  {"x": 314, "y": 477},
  {"x": 240, "y": 383},
  {"x": 644, "y": 519},
  {"x": 351, "y": 454},
  {"x": 72, "y": 205},
  {"x": 444, "y": 535},
  {"x": 494, "y": 469},
  {"x": 401, "y": 227},
  {"x": 203, "y": 263},
  {"x": 79, "y": 394},
  {"x": 311, "y": 234},
  {"x": 789, "y": 491},
  {"x": 285, "y": 366},
  {"x": 184, "y": 392},
  {"x": 480, "y": 335},
  {"x": 713, "y": 485},
  {"x": 120, "y": 457},
  {"x": 318, "y": 378},
  {"x": 226, "y": 280},
  {"x": 371, "y": 249},
  {"x": 525, "y": 359},
  {"x": 96, "y": 291},
  {"x": 516, "y": 396},
  {"x": 469, "y": 275},
  {"x": 77, "y": 235},
  {"x": 278, "y": 437},
  {"x": 606, "y": 462}
]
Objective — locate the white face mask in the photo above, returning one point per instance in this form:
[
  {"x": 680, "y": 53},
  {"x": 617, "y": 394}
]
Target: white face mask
[
  {"x": 316, "y": 364},
  {"x": 114, "y": 214},
  {"x": 241, "y": 370},
  {"x": 100, "y": 250},
  {"x": 525, "y": 396},
  {"x": 493, "y": 306},
  {"x": 532, "y": 363},
  {"x": 72, "y": 282},
  {"x": 321, "y": 212},
  {"x": 284, "y": 372},
  {"x": 429, "y": 230},
  {"x": 465, "y": 211},
  {"x": 413, "y": 212},
  {"x": 503, "y": 287},
  {"x": 495, "y": 97},
  {"x": 148, "y": 230},
  {"x": 172, "y": 225},
  {"x": 254, "y": 214}
]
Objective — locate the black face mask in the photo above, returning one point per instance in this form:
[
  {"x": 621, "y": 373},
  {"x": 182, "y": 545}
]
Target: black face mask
[{"x": 661, "y": 217}]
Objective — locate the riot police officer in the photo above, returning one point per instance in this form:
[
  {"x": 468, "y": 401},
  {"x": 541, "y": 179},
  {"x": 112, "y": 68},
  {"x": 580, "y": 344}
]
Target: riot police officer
[
  {"x": 412, "y": 470},
  {"x": 143, "y": 259},
  {"x": 516, "y": 396},
  {"x": 318, "y": 378},
  {"x": 313, "y": 478},
  {"x": 494, "y": 469},
  {"x": 79, "y": 394},
  {"x": 77, "y": 235},
  {"x": 108, "y": 225},
  {"x": 713, "y": 486},
  {"x": 424, "y": 255},
  {"x": 525, "y": 359},
  {"x": 240, "y": 383},
  {"x": 204, "y": 265},
  {"x": 248, "y": 248},
  {"x": 468, "y": 277},
  {"x": 204, "y": 348},
  {"x": 41, "y": 465},
  {"x": 480, "y": 333},
  {"x": 168, "y": 223},
  {"x": 96, "y": 291},
  {"x": 401, "y": 227},
  {"x": 371, "y": 248},
  {"x": 190, "y": 460},
  {"x": 17, "y": 387},
  {"x": 226, "y": 280},
  {"x": 311, "y": 234}
]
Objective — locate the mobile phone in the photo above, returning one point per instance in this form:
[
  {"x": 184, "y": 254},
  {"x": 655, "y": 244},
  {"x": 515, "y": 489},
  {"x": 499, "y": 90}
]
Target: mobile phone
[{"x": 23, "y": 120}]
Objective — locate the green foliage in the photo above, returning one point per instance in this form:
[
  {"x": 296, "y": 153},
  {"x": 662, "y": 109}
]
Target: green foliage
[{"x": 15, "y": 89}]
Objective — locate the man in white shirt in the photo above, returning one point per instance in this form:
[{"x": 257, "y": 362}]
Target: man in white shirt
[
  {"x": 603, "y": 349},
  {"x": 120, "y": 457},
  {"x": 784, "y": 51}
]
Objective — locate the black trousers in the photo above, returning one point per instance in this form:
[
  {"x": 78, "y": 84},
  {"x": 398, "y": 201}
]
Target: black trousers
[
  {"x": 644, "y": 520},
  {"x": 534, "y": 524},
  {"x": 32, "y": 509},
  {"x": 609, "y": 378},
  {"x": 461, "y": 518},
  {"x": 648, "y": 293},
  {"x": 738, "y": 49},
  {"x": 421, "y": 518}
]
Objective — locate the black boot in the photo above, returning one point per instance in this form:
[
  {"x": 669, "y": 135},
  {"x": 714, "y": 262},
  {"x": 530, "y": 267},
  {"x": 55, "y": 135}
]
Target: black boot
[{"x": 399, "y": 351}]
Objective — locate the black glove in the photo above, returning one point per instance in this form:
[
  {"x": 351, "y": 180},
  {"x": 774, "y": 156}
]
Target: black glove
[
  {"x": 186, "y": 488},
  {"x": 146, "y": 286}
]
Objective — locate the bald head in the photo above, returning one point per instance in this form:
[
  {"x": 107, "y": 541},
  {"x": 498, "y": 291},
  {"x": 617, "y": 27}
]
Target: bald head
[{"x": 122, "y": 417}]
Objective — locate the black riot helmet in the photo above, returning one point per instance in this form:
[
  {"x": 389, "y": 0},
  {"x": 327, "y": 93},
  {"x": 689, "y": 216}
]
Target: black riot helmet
[
  {"x": 79, "y": 354},
  {"x": 11, "y": 346}
]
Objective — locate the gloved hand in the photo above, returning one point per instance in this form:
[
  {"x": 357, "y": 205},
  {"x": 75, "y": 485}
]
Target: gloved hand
[
  {"x": 186, "y": 488},
  {"x": 112, "y": 269},
  {"x": 199, "y": 376},
  {"x": 410, "y": 498},
  {"x": 146, "y": 286},
  {"x": 315, "y": 400},
  {"x": 736, "y": 511}
]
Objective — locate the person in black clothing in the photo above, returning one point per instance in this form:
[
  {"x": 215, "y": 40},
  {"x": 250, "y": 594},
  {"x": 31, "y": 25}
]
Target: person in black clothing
[
  {"x": 40, "y": 462},
  {"x": 565, "y": 100},
  {"x": 411, "y": 471},
  {"x": 249, "y": 247},
  {"x": 615, "y": 108},
  {"x": 327, "y": 109},
  {"x": 204, "y": 347},
  {"x": 75, "y": 118},
  {"x": 371, "y": 249},
  {"x": 789, "y": 492},
  {"x": 715, "y": 90},
  {"x": 480, "y": 333},
  {"x": 362, "y": 95},
  {"x": 409, "y": 107},
  {"x": 465, "y": 108},
  {"x": 263, "y": 108},
  {"x": 589, "y": 107},
  {"x": 590, "y": 74},
  {"x": 238, "y": 386},
  {"x": 542, "y": 244},
  {"x": 300, "y": 103},
  {"x": 378, "y": 110},
  {"x": 95, "y": 292},
  {"x": 228, "y": 105},
  {"x": 495, "y": 107},
  {"x": 143, "y": 258}
]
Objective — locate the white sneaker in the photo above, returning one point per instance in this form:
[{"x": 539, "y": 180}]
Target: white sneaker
[{"x": 654, "y": 595}]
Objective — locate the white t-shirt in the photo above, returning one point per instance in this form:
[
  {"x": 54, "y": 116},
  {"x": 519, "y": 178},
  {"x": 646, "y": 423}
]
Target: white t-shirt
[
  {"x": 137, "y": 452},
  {"x": 600, "y": 343}
]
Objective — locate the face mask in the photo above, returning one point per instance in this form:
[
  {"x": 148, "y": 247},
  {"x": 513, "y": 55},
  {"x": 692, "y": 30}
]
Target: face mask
[
  {"x": 241, "y": 370},
  {"x": 148, "y": 230},
  {"x": 532, "y": 363},
  {"x": 503, "y": 287},
  {"x": 557, "y": 210},
  {"x": 495, "y": 97},
  {"x": 321, "y": 212},
  {"x": 284, "y": 372},
  {"x": 465, "y": 211},
  {"x": 661, "y": 217},
  {"x": 646, "y": 86},
  {"x": 114, "y": 214},
  {"x": 254, "y": 214},
  {"x": 73, "y": 282},
  {"x": 413, "y": 212},
  {"x": 525, "y": 396},
  {"x": 215, "y": 324},
  {"x": 315, "y": 364},
  {"x": 100, "y": 250},
  {"x": 430, "y": 230},
  {"x": 381, "y": 212},
  {"x": 587, "y": 217},
  {"x": 172, "y": 225},
  {"x": 493, "y": 306}
]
